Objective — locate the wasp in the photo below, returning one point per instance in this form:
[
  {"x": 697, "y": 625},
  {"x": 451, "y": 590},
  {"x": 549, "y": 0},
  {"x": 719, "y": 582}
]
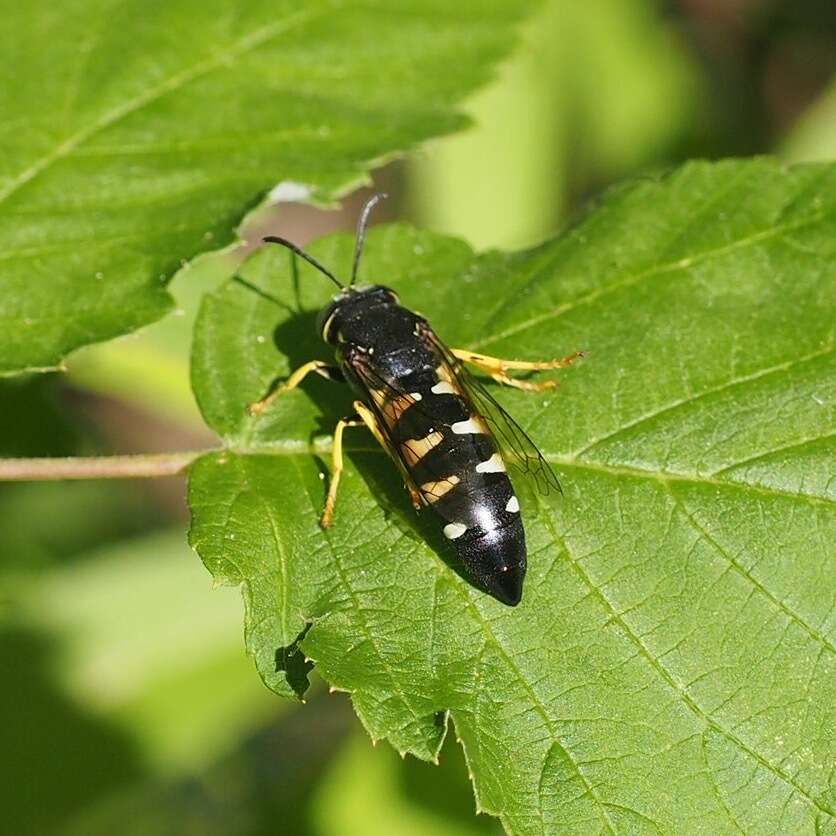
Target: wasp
[{"x": 446, "y": 433}]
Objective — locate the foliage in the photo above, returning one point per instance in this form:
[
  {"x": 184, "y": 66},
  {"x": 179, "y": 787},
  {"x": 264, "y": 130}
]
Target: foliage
[
  {"x": 671, "y": 666},
  {"x": 143, "y": 133},
  {"x": 596, "y": 90}
]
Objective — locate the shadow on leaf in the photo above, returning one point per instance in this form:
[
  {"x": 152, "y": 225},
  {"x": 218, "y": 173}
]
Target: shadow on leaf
[{"x": 296, "y": 667}]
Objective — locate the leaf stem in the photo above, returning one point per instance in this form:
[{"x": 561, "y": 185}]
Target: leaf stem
[{"x": 141, "y": 466}]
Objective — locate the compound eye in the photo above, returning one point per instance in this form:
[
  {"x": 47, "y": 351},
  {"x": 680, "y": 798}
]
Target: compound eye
[{"x": 326, "y": 328}]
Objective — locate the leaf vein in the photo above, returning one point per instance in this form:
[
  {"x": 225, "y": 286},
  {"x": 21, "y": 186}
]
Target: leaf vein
[
  {"x": 537, "y": 704},
  {"x": 660, "y": 269},
  {"x": 672, "y": 682},
  {"x": 694, "y": 398},
  {"x": 297, "y": 447},
  {"x": 337, "y": 563},
  {"x": 247, "y": 43},
  {"x": 743, "y": 572},
  {"x": 796, "y": 445}
]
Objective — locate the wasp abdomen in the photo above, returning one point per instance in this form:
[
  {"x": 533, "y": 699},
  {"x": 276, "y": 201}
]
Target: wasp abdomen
[
  {"x": 455, "y": 462},
  {"x": 430, "y": 425}
]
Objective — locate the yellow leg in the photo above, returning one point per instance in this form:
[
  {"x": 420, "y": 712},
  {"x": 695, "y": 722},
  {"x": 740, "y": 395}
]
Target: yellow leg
[
  {"x": 495, "y": 364},
  {"x": 523, "y": 384},
  {"x": 369, "y": 419},
  {"x": 497, "y": 368},
  {"x": 336, "y": 468},
  {"x": 318, "y": 366}
]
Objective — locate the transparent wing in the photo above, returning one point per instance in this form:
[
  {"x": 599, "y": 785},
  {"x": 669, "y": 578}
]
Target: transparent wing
[
  {"x": 517, "y": 447},
  {"x": 394, "y": 395},
  {"x": 514, "y": 442}
]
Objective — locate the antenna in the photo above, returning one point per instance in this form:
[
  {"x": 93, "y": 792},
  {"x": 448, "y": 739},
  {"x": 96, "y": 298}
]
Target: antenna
[
  {"x": 362, "y": 224},
  {"x": 275, "y": 239}
]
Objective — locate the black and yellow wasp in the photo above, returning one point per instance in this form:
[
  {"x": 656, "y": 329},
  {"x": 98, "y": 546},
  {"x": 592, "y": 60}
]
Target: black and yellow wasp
[{"x": 445, "y": 432}]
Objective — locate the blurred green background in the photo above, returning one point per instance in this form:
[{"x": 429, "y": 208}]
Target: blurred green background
[{"x": 128, "y": 703}]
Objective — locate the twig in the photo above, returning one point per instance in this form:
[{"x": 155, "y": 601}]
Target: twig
[{"x": 146, "y": 465}]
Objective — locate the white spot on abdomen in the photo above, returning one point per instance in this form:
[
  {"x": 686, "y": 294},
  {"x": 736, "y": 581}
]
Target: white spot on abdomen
[
  {"x": 493, "y": 465},
  {"x": 454, "y": 529},
  {"x": 468, "y": 427},
  {"x": 416, "y": 396},
  {"x": 513, "y": 505},
  {"x": 443, "y": 388}
]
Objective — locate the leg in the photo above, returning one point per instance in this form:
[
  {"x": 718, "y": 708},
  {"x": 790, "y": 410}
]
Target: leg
[
  {"x": 337, "y": 468},
  {"x": 495, "y": 364},
  {"x": 323, "y": 369},
  {"x": 368, "y": 418},
  {"x": 527, "y": 385},
  {"x": 497, "y": 368}
]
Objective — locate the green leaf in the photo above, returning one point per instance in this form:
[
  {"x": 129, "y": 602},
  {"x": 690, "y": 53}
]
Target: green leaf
[
  {"x": 671, "y": 666},
  {"x": 143, "y": 133}
]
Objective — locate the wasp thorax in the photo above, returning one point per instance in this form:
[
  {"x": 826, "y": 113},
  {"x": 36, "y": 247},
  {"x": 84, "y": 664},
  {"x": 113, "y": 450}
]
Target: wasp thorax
[{"x": 350, "y": 304}]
